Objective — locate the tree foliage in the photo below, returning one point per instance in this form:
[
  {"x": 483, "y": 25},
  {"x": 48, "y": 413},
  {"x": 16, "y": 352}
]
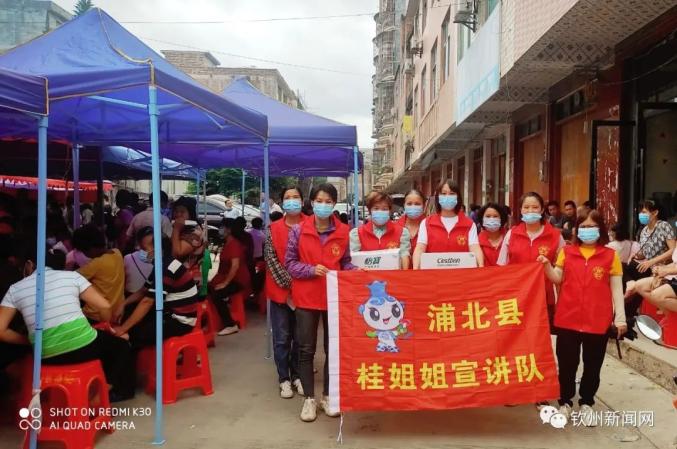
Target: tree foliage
[
  {"x": 228, "y": 182},
  {"x": 82, "y": 6}
]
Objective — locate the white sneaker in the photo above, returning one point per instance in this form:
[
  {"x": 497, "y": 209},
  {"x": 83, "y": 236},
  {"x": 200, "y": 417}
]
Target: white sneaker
[
  {"x": 309, "y": 410},
  {"x": 588, "y": 417},
  {"x": 324, "y": 405},
  {"x": 229, "y": 330},
  {"x": 285, "y": 390},
  {"x": 299, "y": 386},
  {"x": 565, "y": 410}
]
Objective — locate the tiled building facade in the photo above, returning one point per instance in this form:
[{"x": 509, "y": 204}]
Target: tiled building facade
[{"x": 564, "y": 97}]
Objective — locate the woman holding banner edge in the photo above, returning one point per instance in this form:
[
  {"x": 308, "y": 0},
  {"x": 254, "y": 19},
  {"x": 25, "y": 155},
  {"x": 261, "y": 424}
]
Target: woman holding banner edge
[
  {"x": 532, "y": 238},
  {"x": 591, "y": 299},
  {"x": 316, "y": 246},
  {"x": 381, "y": 233},
  {"x": 449, "y": 230}
]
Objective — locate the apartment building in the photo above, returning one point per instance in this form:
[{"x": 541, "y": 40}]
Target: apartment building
[{"x": 570, "y": 98}]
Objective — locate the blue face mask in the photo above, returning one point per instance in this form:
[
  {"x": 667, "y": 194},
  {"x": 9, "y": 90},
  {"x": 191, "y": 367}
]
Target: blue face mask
[
  {"x": 448, "y": 202},
  {"x": 292, "y": 206},
  {"x": 143, "y": 256},
  {"x": 588, "y": 235},
  {"x": 531, "y": 217},
  {"x": 644, "y": 218},
  {"x": 413, "y": 212},
  {"x": 491, "y": 223},
  {"x": 323, "y": 210},
  {"x": 380, "y": 217}
]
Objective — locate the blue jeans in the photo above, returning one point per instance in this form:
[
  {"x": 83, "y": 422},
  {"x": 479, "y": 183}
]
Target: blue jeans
[{"x": 285, "y": 347}]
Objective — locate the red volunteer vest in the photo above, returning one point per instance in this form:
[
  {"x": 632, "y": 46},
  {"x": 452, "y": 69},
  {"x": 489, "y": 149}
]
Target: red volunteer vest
[
  {"x": 490, "y": 253},
  {"x": 522, "y": 250},
  {"x": 389, "y": 240},
  {"x": 439, "y": 241},
  {"x": 413, "y": 240},
  {"x": 585, "y": 302},
  {"x": 312, "y": 293},
  {"x": 279, "y": 233}
]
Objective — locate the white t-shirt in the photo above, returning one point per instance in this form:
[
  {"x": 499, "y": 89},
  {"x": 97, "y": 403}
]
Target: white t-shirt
[
  {"x": 136, "y": 272},
  {"x": 449, "y": 223},
  {"x": 233, "y": 213},
  {"x": 62, "y": 298}
]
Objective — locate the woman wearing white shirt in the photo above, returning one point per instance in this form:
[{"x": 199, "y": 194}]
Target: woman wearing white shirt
[{"x": 449, "y": 230}]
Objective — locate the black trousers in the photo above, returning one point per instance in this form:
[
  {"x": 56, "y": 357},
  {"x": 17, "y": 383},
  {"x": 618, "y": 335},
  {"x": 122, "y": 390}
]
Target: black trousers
[
  {"x": 223, "y": 310},
  {"x": 143, "y": 334},
  {"x": 568, "y": 349},
  {"x": 116, "y": 358},
  {"x": 307, "y": 321}
]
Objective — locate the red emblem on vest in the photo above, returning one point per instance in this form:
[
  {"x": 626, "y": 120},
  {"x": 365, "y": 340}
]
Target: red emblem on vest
[
  {"x": 598, "y": 273},
  {"x": 543, "y": 250},
  {"x": 335, "y": 250},
  {"x": 461, "y": 239}
]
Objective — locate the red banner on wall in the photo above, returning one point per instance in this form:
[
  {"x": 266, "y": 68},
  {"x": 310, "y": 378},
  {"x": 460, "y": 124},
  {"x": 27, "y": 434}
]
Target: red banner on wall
[{"x": 439, "y": 339}]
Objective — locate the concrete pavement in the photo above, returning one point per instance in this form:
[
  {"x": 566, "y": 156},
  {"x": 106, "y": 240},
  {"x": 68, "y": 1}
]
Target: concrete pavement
[{"x": 246, "y": 412}]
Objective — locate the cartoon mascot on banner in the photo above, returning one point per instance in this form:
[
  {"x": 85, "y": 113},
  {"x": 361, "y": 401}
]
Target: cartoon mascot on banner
[{"x": 384, "y": 315}]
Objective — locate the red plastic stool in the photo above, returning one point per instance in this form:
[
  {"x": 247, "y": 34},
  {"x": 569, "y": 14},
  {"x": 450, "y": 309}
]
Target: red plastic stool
[
  {"x": 192, "y": 372},
  {"x": 649, "y": 309},
  {"x": 205, "y": 319},
  {"x": 669, "y": 325},
  {"x": 72, "y": 384}
]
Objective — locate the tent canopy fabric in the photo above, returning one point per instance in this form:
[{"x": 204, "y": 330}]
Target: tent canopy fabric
[
  {"x": 18, "y": 159},
  {"x": 301, "y": 144},
  {"x": 96, "y": 68},
  {"x": 23, "y": 93}
]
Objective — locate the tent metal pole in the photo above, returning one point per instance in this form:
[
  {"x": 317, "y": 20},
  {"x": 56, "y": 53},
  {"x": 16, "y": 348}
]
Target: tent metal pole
[
  {"x": 76, "y": 186},
  {"x": 364, "y": 195},
  {"x": 244, "y": 177},
  {"x": 204, "y": 204},
  {"x": 356, "y": 187},
  {"x": 40, "y": 275},
  {"x": 99, "y": 188},
  {"x": 157, "y": 242},
  {"x": 266, "y": 223},
  {"x": 198, "y": 184}
]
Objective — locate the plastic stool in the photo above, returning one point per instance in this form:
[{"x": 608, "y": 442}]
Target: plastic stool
[
  {"x": 649, "y": 309},
  {"x": 669, "y": 325},
  {"x": 192, "y": 372},
  {"x": 73, "y": 382}
]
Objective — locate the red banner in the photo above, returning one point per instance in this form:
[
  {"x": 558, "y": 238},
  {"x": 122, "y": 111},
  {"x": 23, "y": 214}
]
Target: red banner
[{"x": 439, "y": 339}]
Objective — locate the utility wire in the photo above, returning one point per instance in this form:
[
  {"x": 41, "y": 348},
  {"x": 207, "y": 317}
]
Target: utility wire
[{"x": 270, "y": 61}]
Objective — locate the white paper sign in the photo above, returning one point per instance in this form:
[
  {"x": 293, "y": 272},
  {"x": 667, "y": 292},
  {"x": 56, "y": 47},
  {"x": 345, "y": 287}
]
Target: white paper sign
[
  {"x": 433, "y": 261},
  {"x": 386, "y": 259}
]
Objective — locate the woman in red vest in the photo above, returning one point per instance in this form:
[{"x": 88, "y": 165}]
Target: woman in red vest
[
  {"x": 532, "y": 238},
  {"x": 494, "y": 217},
  {"x": 590, "y": 300},
  {"x": 414, "y": 204},
  {"x": 449, "y": 230},
  {"x": 316, "y": 246},
  {"x": 278, "y": 291},
  {"x": 381, "y": 233}
]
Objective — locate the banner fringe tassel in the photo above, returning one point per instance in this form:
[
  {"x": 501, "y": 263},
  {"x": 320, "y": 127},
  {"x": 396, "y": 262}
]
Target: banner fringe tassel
[{"x": 339, "y": 439}]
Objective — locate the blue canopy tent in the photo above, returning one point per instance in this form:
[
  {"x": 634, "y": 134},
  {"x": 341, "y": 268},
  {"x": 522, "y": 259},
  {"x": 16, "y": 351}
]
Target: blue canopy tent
[
  {"x": 26, "y": 97},
  {"x": 301, "y": 143},
  {"x": 107, "y": 88}
]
